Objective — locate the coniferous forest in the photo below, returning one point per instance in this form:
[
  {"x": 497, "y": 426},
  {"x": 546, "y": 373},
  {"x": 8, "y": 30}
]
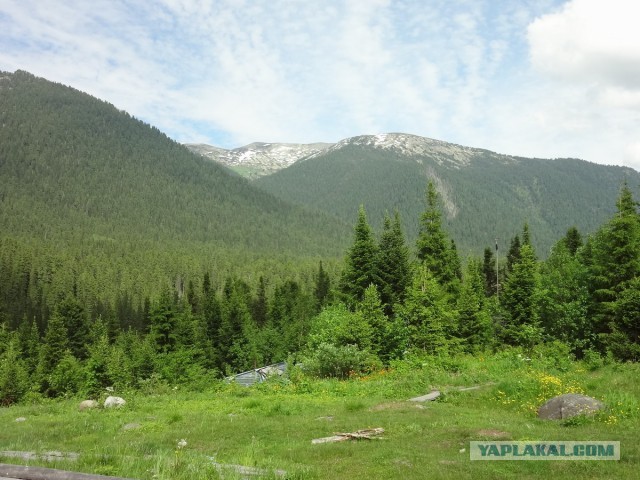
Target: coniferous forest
[{"x": 126, "y": 261}]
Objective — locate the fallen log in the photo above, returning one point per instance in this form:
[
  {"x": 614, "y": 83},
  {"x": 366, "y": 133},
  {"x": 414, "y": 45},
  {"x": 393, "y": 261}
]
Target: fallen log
[
  {"x": 38, "y": 473},
  {"x": 365, "y": 434}
]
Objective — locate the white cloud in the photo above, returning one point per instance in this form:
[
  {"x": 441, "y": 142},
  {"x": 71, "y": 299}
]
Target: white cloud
[
  {"x": 590, "y": 40},
  {"x": 234, "y": 71}
]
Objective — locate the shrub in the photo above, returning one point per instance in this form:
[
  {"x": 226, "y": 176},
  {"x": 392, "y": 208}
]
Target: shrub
[{"x": 329, "y": 360}]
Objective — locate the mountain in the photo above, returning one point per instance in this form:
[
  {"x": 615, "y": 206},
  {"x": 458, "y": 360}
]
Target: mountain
[
  {"x": 258, "y": 159},
  {"x": 74, "y": 168},
  {"x": 485, "y": 195}
]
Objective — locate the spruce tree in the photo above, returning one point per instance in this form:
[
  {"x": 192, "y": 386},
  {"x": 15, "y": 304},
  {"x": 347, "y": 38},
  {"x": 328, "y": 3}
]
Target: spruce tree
[
  {"x": 435, "y": 250},
  {"x": 614, "y": 266},
  {"x": 564, "y": 299},
  {"x": 521, "y": 301},
  {"x": 13, "y": 374},
  {"x": 322, "y": 288},
  {"x": 164, "y": 324},
  {"x": 360, "y": 265},
  {"x": 474, "y": 320},
  {"x": 513, "y": 255},
  {"x": 76, "y": 325},
  {"x": 429, "y": 319},
  {"x": 489, "y": 272},
  {"x": 371, "y": 311},
  {"x": 54, "y": 348},
  {"x": 259, "y": 304},
  {"x": 573, "y": 240},
  {"x": 393, "y": 266}
]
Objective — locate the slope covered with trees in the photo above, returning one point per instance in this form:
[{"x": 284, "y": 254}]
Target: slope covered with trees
[
  {"x": 583, "y": 300},
  {"x": 487, "y": 196},
  {"x": 74, "y": 168}
]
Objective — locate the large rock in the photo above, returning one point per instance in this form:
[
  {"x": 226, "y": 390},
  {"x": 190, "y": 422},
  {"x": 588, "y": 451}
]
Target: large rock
[
  {"x": 569, "y": 405},
  {"x": 87, "y": 405},
  {"x": 111, "y": 402}
]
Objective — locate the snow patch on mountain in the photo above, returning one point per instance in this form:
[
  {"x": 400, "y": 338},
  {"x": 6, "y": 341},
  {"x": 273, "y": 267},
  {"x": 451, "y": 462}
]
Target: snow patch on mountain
[
  {"x": 258, "y": 159},
  {"x": 417, "y": 148}
]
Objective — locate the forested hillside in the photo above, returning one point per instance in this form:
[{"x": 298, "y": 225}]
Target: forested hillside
[
  {"x": 128, "y": 262},
  {"x": 74, "y": 167},
  {"x": 485, "y": 195}
]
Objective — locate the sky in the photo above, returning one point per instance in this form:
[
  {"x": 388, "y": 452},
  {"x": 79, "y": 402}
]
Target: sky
[{"x": 534, "y": 78}]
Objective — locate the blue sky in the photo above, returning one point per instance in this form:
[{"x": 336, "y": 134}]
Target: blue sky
[{"x": 544, "y": 78}]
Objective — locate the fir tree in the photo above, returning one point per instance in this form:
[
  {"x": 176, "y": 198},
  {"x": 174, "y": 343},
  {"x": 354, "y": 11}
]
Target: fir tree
[
  {"x": 614, "y": 266},
  {"x": 76, "y": 324},
  {"x": 489, "y": 272},
  {"x": 474, "y": 321},
  {"x": 513, "y": 255},
  {"x": 434, "y": 247},
  {"x": 259, "y": 306},
  {"x": 427, "y": 315},
  {"x": 164, "y": 324},
  {"x": 53, "y": 349},
  {"x": 371, "y": 311},
  {"x": 322, "y": 287},
  {"x": 573, "y": 240},
  {"x": 393, "y": 266},
  {"x": 360, "y": 264},
  {"x": 521, "y": 301},
  {"x": 564, "y": 299},
  {"x": 14, "y": 381}
]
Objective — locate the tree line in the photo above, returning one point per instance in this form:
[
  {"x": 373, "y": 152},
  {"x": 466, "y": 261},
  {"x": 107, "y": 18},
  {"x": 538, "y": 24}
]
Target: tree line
[{"x": 389, "y": 300}]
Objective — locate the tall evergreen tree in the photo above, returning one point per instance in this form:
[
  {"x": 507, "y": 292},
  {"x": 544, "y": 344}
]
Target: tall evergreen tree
[
  {"x": 564, "y": 299},
  {"x": 489, "y": 272},
  {"x": 393, "y": 266},
  {"x": 513, "y": 255},
  {"x": 474, "y": 321},
  {"x": 429, "y": 318},
  {"x": 164, "y": 324},
  {"x": 53, "y": 349},
  {"x": 76, "y": 324},
  {"x": 435, "y": 250},
  {"x": 521, "y": 301},
  {"x": 360, "y": 265},
  {"x": 614, "y": 264},
  {"x": 371, "y": 311},
  {"x": 322, "y": 287},
  {"x": 573, "y": 240},
  {"x": 259, "y": 306}
]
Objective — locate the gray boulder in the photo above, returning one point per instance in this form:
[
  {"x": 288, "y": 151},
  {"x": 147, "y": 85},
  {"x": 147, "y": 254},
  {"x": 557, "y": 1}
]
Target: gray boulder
[
  {"x": 87, "y": 405},
  {"x": 569, "y": 405},
  {"x": 111, "y": 402}
]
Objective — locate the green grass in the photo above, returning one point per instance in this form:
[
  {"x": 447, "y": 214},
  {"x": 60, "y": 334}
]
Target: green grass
[{"x": 271, "y": 426}]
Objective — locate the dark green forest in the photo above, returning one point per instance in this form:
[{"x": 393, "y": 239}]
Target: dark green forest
[
  {"x": 127, "y": 262},
  {"x": 488, "y": 198}
]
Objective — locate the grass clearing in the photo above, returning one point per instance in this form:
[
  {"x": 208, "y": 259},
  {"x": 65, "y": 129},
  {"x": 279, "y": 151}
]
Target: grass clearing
[{"x": 270, "y": 426}]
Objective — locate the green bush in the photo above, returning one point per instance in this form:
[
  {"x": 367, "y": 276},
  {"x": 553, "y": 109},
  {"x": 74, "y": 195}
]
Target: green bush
[{"x": 330, "y": 360}]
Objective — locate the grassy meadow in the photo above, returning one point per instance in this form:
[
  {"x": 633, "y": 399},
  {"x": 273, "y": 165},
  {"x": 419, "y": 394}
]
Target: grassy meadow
[{"x": 270, "y": 426}]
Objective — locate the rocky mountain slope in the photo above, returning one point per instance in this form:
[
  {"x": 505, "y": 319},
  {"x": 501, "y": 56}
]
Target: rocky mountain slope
[
  {"x": 258, "y": 159},
  {"x": 485, "y": 195}
]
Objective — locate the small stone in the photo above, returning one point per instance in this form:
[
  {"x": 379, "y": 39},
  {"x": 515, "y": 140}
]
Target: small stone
[
  {"x": 429, "y": 397},
  {"x": 87, "y": 405},
  {"x": 131, "y": 426},
  {"x": 111, "y": 402},
  {"x": 21, "y": 419}
]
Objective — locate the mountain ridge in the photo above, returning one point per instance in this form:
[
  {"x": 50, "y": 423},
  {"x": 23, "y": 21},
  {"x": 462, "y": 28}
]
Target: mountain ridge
[
  {"x": 258, "y": 158},
  {"x": 485, "y": 195}
]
